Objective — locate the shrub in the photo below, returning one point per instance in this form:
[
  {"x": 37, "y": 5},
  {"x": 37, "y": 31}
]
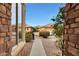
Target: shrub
[
  {"x": 28, "y": 36},
  {"x": 44, "y": 34},
  {"x": 35, "y": 29},
  {"x": 58, "y": 30}
]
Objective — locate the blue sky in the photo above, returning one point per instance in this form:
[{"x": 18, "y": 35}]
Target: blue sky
[
  {"x": 38, "y": 13},
  {"x": 14, "y": 13}
]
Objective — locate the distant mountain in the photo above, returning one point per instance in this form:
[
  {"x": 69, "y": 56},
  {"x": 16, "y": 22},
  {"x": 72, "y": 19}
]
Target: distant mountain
[
  {"x": 50, "y": 24},
  {"x": 25, "y": 25},
  {"x": 47, "y": 25}
]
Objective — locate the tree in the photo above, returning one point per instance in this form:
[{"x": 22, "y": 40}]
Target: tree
[
  {"x": 59, "y": 20},
  {"x": 35, "y": 29},
  {"x": 59, "y": 27}
]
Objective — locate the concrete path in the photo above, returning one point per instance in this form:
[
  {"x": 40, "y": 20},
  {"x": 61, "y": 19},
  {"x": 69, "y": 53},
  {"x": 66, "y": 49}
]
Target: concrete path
[{"x": 37, "y": 48}]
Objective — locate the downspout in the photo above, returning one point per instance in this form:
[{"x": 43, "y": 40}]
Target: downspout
[
  {"x": 23, "y": 21},
  {"x": 17, "y": 37}
]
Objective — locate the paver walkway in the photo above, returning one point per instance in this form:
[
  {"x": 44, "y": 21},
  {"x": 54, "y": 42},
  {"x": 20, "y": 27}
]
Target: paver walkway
[
  {"x": 37, "y": 48},
  {"x": 50, "y": 46}
]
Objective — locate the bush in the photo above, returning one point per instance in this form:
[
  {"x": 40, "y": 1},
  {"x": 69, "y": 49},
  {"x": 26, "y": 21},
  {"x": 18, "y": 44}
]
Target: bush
[
  {"x": 44, "y": 34},
  {"x": 59, "y": 43},
  {"x": 28, "y": 36},
  {"x": 58, "y": 30},
  {"x": 35, "y": 29}
]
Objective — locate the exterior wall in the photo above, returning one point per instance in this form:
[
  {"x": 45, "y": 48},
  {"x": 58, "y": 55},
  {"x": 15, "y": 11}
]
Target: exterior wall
[
  {"x": 49, "y": 29},
  {"x": 71, "y": 30},
  {"x": 29, "y": 29},
  {"x": 5, "y": 28}
]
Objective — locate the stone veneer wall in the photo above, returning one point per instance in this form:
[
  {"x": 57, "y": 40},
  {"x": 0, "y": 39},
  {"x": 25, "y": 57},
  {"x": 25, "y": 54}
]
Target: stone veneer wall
[
  {"x": 71, "y": 30},
  {"x": 5, "y": 27}
]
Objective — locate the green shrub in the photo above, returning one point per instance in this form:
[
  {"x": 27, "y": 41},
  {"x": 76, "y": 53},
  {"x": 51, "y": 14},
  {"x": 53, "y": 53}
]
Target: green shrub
[
  {"x": 28, "y": 36},
  {"x": 58, "y": 30},
  {"x": 44, "y": 34}
]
